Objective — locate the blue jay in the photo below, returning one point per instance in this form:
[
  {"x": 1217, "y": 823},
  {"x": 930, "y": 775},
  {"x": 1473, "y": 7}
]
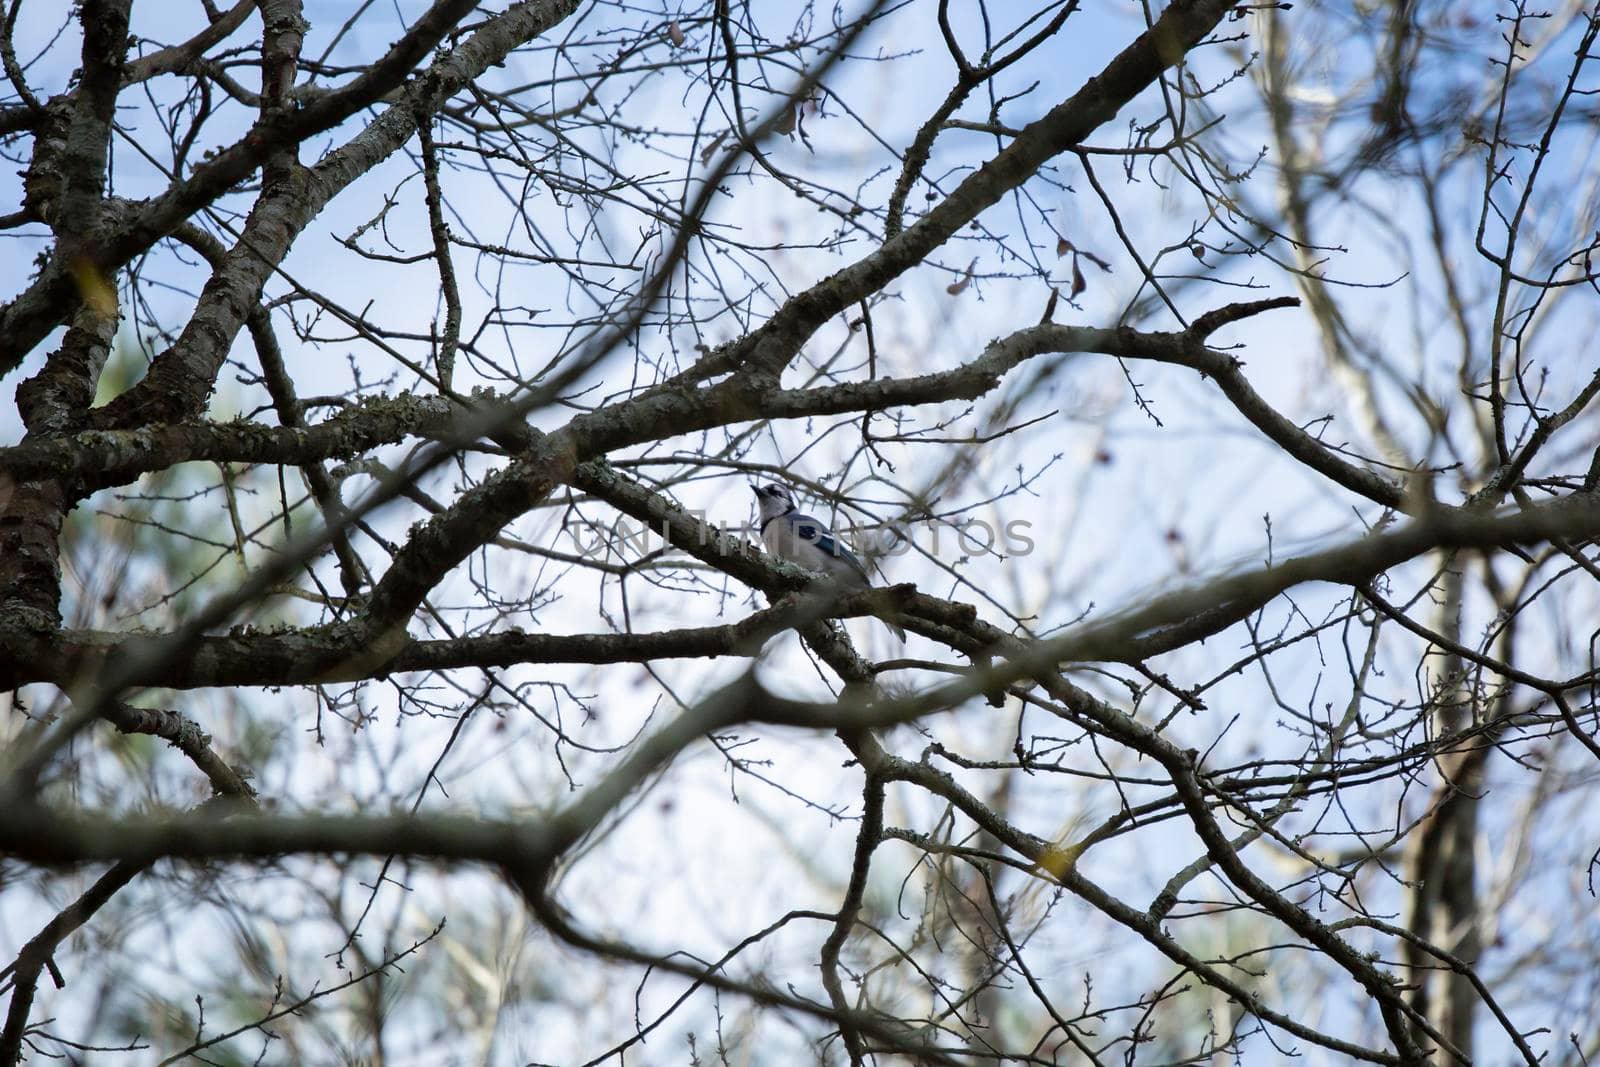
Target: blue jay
[{"x": 791, "y": 535}]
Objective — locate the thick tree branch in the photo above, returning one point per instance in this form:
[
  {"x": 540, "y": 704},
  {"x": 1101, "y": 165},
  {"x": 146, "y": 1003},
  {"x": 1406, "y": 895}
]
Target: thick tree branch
[
  {"x": 337, "y": 653},
  {"x": 175, "y": 58},
  {"x": 113, "y": 457}
]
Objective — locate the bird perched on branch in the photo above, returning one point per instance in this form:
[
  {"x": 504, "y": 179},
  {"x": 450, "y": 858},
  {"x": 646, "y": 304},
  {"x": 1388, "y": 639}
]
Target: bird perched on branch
[{"x": 792, "y": 535}]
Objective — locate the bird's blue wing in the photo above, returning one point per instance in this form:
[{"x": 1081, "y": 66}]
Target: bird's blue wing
[{"x": 810, "y": 529}]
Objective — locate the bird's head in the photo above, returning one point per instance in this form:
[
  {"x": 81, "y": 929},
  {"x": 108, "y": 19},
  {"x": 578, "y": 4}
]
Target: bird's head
[{"x": 773, "y": 499}]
